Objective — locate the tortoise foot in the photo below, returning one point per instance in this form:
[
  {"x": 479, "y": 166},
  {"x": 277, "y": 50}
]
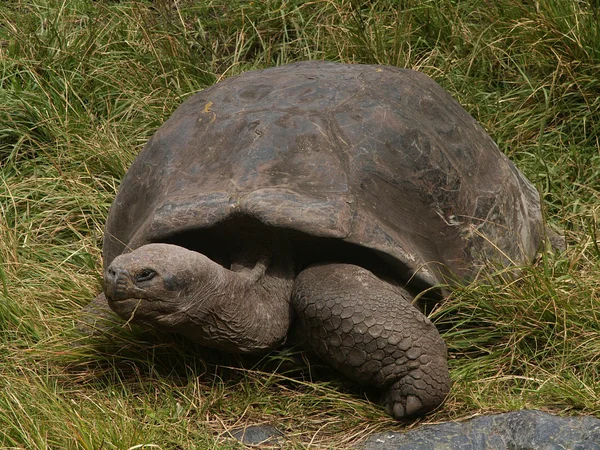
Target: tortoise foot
[
  {"x": 419, "y": 392},
  {"x": 368, "y": 330}
]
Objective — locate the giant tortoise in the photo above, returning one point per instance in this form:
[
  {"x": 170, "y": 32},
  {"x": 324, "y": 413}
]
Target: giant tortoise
[{"x": 318, "y": 198}]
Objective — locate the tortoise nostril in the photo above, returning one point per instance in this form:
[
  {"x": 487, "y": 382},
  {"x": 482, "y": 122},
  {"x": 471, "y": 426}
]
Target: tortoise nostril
[
  {"x": 111, "y": 273},
  {"x": 115, "y": 284}
]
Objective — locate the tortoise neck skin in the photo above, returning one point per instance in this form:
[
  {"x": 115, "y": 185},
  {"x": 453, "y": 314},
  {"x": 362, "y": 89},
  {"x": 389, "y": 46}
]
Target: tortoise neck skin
[{"x": 170, "y": 288}]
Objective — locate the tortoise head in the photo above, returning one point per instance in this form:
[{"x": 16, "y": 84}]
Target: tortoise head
[{"x": 156, "y": 283}]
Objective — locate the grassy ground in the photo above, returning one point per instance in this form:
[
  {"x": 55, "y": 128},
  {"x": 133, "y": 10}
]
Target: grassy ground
[{"x": 84, "y": 84}]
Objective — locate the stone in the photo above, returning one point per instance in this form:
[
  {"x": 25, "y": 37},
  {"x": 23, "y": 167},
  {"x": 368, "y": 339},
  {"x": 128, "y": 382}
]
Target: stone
[{"x": 518, "y": 430}]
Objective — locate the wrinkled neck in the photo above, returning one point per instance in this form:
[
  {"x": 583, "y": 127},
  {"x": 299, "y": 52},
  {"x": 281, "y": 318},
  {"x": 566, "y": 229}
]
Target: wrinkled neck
[{"x": 245, "y": 310}]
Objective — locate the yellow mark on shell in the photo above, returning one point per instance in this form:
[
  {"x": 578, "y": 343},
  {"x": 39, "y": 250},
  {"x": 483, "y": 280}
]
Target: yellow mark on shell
[{"x": 207, "y": 110}]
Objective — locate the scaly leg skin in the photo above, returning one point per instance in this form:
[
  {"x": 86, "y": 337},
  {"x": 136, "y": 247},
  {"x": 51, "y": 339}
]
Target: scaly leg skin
[
  {"x": 97, "y": 318},
  {"x": 368, "y": 330}
]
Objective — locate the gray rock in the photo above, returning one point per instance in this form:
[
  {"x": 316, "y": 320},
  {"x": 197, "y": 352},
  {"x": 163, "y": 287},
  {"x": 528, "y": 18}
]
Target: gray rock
[
  {"x": 519, "y": 430},
  {"x": 258, "y": 434}
]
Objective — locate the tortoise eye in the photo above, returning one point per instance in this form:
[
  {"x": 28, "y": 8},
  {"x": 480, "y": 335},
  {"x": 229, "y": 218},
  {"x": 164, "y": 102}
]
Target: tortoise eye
[{"x": 145, "y": 275}]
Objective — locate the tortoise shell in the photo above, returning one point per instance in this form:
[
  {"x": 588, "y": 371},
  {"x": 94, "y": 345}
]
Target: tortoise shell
[{"x": 380, "y": 157}]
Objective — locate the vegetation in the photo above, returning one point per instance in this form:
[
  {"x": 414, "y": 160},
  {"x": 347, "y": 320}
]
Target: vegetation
[{"x": 84, "y": 84}]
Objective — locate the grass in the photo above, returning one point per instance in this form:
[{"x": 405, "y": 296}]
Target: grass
[{"x": 84, "y": 84}]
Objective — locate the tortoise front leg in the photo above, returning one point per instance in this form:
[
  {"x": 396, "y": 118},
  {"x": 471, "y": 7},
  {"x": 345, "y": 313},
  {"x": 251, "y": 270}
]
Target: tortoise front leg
[
  {"x": 97, "y": 318},
  {"x": 368, "y": 330}
]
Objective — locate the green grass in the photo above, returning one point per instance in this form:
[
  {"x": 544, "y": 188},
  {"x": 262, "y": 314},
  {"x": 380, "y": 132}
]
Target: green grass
[{"x": 84, "y": 84}]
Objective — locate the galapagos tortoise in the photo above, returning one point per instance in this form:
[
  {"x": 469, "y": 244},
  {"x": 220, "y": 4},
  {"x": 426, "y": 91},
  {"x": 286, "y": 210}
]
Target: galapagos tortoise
[{"x": 318, "y": 197}]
